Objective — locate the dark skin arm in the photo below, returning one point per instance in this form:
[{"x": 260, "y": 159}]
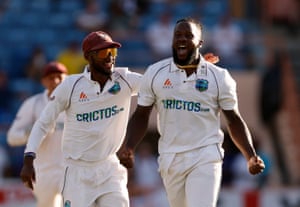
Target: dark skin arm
[
  {"x": 137, "y": 126},
  {"x": 241, "y": 137},
  {"x": 136, "y": 130}
]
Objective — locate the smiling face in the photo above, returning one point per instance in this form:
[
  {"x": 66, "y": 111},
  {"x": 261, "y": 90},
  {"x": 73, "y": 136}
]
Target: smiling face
[
  {"x": 100, "y": 64},
  {"x": 186, "y": 43}
]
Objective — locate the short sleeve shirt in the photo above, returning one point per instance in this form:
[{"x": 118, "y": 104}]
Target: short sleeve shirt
[{"x": 188, "y": 107}]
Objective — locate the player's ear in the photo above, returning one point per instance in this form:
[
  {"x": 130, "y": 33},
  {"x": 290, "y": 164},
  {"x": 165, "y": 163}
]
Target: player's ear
[{"x": 200, "y": 43}]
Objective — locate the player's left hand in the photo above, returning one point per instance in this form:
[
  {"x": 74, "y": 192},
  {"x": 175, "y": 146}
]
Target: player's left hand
[
  {"x": 126, "y": 158},
  {"x": 27, "y": 172},
  {"x": 210, "y": 57},
  {"x": 256, "y": 165}
]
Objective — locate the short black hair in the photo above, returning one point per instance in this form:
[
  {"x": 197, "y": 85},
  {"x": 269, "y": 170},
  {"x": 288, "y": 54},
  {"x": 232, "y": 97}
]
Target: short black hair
[{"x": 190, "y": 20}]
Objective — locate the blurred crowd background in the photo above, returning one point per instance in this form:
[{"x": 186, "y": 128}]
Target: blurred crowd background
[{"x": 253, "y": 38}]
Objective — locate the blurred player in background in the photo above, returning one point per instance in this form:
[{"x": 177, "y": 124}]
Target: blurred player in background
[
  {"x": 49, "y": 162},
  {"x": 189, "y": 94}
]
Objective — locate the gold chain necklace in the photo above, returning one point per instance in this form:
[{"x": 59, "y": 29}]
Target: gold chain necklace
[{"x": 186, "y": 66}]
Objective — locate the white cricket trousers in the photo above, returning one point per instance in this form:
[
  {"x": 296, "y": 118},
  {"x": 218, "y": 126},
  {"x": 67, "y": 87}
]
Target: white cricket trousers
[
  {"x": 193, "y": 178},
  {"x": 48, "y": 186},
  {"x": 95, "y": 184}
]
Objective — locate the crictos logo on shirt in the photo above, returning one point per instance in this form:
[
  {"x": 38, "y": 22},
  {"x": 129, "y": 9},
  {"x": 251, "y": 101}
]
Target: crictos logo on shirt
[
  {"x": 183, "y": 105},
  {"x": 99, "y": 114}
]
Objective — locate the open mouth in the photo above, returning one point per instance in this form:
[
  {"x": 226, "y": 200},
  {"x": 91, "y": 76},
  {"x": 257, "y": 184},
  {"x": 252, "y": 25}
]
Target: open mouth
[
  {"x": 108, "y": 65},
  {"x": 182, "y": 50}
]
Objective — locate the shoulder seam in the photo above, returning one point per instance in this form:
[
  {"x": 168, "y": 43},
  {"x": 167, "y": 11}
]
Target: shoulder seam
[
  {"x": 73, "y": 87},
  {"x": 156, "y": 73}
]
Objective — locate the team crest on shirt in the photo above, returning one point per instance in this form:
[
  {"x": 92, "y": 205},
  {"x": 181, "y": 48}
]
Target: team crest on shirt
[
  {"x": 201, "y": 85},
  {"x": 67, "y": 203},
  {"x": 115, "y": 88}
]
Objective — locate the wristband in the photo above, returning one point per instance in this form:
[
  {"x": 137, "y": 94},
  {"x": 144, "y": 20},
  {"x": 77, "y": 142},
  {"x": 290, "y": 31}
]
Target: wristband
[{"x": 30, "y": 154}]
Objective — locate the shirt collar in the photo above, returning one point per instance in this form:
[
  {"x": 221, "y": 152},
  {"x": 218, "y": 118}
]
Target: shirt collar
[
  {"x": 200, "y": 67},
  {"x": 86, "y": 72}
]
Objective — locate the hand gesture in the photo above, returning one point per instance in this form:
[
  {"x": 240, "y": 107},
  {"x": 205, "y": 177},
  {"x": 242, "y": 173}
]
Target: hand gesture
[{"x": 256, "y": 165}]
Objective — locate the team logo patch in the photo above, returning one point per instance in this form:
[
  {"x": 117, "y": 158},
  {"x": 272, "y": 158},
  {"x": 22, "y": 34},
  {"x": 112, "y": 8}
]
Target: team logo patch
[
  {"x": 201, "y": 85},
  {"x": 115, "y": 88},
  {"x": 67, "y": 203}
]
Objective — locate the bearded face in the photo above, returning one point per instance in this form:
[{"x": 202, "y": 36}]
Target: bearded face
[
  {"x": 102, "y": 65},
  {"x": 186, "y": 43}
]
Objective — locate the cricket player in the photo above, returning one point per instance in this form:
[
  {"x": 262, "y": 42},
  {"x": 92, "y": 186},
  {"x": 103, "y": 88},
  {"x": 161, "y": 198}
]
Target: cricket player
[
  {"x": 49, "y": 162},
  {"x": 96, "y": 103},
  {"x": 189, "y": 94}
]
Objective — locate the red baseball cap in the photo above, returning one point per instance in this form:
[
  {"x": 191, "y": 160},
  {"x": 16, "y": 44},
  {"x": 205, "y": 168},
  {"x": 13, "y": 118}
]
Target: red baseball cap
[
  {"x": 98, "y": 40},
  {"x": 54, "y": 67}
]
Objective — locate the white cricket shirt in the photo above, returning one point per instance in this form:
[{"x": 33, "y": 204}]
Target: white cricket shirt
[
  {"x": 49, "y": 154},
  {"x": 188, "y": 107},
  {"x": 95, "y": 122}
]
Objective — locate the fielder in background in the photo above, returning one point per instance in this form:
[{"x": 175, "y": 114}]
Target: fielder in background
[
  {"x": 96, "y": 103},
  {"x": 49, "y": 162},
  {"x": 189, "y": 94}
]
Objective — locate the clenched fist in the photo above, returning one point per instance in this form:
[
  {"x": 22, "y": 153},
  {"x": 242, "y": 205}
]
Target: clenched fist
[
  {"x": 126, "y": 158},
  {"x": 256, "y": 165}
]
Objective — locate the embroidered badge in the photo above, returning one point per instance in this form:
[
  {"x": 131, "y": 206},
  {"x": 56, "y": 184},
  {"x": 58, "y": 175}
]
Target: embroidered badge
[
  {"x": 201, "y": 85},
  {"x": 115, "y": 88}
]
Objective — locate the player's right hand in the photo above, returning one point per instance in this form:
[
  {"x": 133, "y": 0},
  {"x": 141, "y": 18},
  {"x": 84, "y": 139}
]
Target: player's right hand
[
  {"x": 256, "y": 165},
  {"x": 126, "y": 157},
  {"x": 27, "y": 172}
]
